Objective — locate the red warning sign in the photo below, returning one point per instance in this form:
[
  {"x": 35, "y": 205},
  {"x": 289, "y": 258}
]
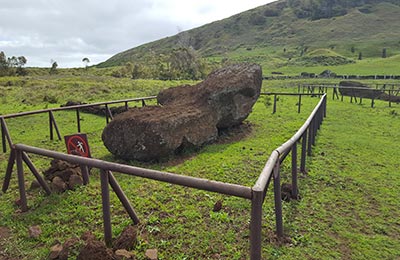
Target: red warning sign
[{"x": 77, "y": 144}]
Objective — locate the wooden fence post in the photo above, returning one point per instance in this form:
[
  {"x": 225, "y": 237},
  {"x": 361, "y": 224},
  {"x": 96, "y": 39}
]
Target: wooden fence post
[
  {"x": 256, "y": 224},
  {"x": 278, "y": 200},
  {"x": 105, "y": 198},
  {"x": 295, "y": 191},
  {"x": 21, "y": 181}
]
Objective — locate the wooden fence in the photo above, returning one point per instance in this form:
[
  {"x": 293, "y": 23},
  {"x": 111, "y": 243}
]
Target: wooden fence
[{"x": 256, "y": 194}]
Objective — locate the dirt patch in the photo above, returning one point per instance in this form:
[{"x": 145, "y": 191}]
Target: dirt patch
[
  {"x": 272, "y": 238},
  {"x": 4, "y": 233}
]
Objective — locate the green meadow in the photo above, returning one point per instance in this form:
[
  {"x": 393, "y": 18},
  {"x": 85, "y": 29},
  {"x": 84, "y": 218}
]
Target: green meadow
[{"x": 348, "y": 209}]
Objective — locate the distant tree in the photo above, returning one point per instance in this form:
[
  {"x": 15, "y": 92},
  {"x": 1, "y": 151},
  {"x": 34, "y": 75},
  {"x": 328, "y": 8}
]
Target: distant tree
[
  {"x": 257, "y": 19},
  {"x": 352, "y": 49},
  {"x": 53, "y": 69},
  {"x": 136, "y": 72},
  {"x": 86, "y": 61},
  {"x": 271, "y": 12},
  {"x": 384, "y": 55},
  {"x": 360, "y": 56},
  {"x": 185, "y": 63},
  {"x": 3, "y": 64},
  {"x": 22, "y": 61},
  {"x": 12, "y": 62},
  {"x": 20, "y": 68},
  {"x": 12, "y": 65}
]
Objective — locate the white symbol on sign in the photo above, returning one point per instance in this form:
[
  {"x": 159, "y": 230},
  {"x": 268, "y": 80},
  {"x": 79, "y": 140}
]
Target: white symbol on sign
[{"x": 80, "y": 146}]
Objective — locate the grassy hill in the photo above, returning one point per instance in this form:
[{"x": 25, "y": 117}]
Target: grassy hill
[{"x": 278, "y": 33}]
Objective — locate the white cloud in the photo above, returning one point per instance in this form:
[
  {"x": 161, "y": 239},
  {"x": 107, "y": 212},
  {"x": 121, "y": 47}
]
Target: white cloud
[{"x": 67, "y": 31}]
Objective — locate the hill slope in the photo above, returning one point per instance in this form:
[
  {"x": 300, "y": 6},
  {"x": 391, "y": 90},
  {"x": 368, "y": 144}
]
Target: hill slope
[{"x": 287, "y": 29}]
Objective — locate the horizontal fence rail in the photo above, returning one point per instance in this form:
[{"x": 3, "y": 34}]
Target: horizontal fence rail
[
  {"x": 5, "y": 134},
  {"x": 77, "y": 107},
  {"x": 276, "y": 94},
  {"x": 272, "y": 171},
  {"x": 198, "y": 183},
  {"x": 256, "y": 194},
  {"x": 386, "y": 92}
]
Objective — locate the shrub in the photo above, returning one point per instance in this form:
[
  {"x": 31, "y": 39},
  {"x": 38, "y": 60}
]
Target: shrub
[
  {"x": 271, "y": 12},
  {"x": 257, "y": 20}
]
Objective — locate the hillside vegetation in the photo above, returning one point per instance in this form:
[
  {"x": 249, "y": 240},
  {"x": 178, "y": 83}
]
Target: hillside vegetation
[{"x": 285, "y": 30}]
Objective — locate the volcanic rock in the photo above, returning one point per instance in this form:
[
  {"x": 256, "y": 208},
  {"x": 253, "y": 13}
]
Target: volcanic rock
[
  {"x": 357, "y": 89},
  {"x": 58, "y": 185},
  {"x": 95, "y": 250},
  {"x": 74, "y": 181},
  {"x": 71, "y": 244},
  {"x": 189, "y": 116},
  {"x": 126, "y": 240},
  {"x": 151, "y": 254},
  {"x": 34, "y": 231},
  {"x": 122, "y": 254},
  {"x": 229, "y": 92},
  {"x": 63, "y": 175},
  {"x": 55, "y": 251}
]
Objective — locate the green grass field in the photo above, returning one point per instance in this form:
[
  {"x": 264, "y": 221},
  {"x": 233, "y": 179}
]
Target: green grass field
[{"x": 348, "y": 207}]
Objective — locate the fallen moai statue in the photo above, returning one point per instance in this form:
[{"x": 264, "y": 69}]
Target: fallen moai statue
[
  {"x": 357, "y": 89},
  {"x": 188, "y": 116}
]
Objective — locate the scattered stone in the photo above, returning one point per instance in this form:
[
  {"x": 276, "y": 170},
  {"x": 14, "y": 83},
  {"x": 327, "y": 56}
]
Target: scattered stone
[
  {"x": 122, "y": 254},
  {"x": 95, "y": 250},
  {"x": 55, "y": 251},
  {"x": 17, "y": 202},
  {"x": 327, "y": 74},
  {"x": 63, "y": 175},
  {"x": 88, "y": 236},
  {"x": 127, "y": 239},
  {"x": 34, "y": 185},
  {"x": 34, "y": 231},
  {"x": 58, "y": 185},
  {"x": 217, "y": 206},
  {"x": 287, "y": 192},
  {"x": 74, "y": 181},
  {"x": 71, "y": 243},
  {"x": 189, "y": 116},
  {"x": 152, "y": 254}
]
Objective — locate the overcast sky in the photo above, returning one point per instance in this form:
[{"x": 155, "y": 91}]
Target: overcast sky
[{"x": 69, "y": 30}]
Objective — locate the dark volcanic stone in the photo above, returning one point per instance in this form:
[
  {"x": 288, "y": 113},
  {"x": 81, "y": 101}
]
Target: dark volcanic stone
[
  {"x": 151, "y": 133},
  {"x": 357, "y": 89},
  {"x": 189, "y": 116},
  {"x": 75, "y": 180},
  {"x": 58, "y": 185},
  {"x": 126, "y": 240},
  {"x": 95, "y": 250}
]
